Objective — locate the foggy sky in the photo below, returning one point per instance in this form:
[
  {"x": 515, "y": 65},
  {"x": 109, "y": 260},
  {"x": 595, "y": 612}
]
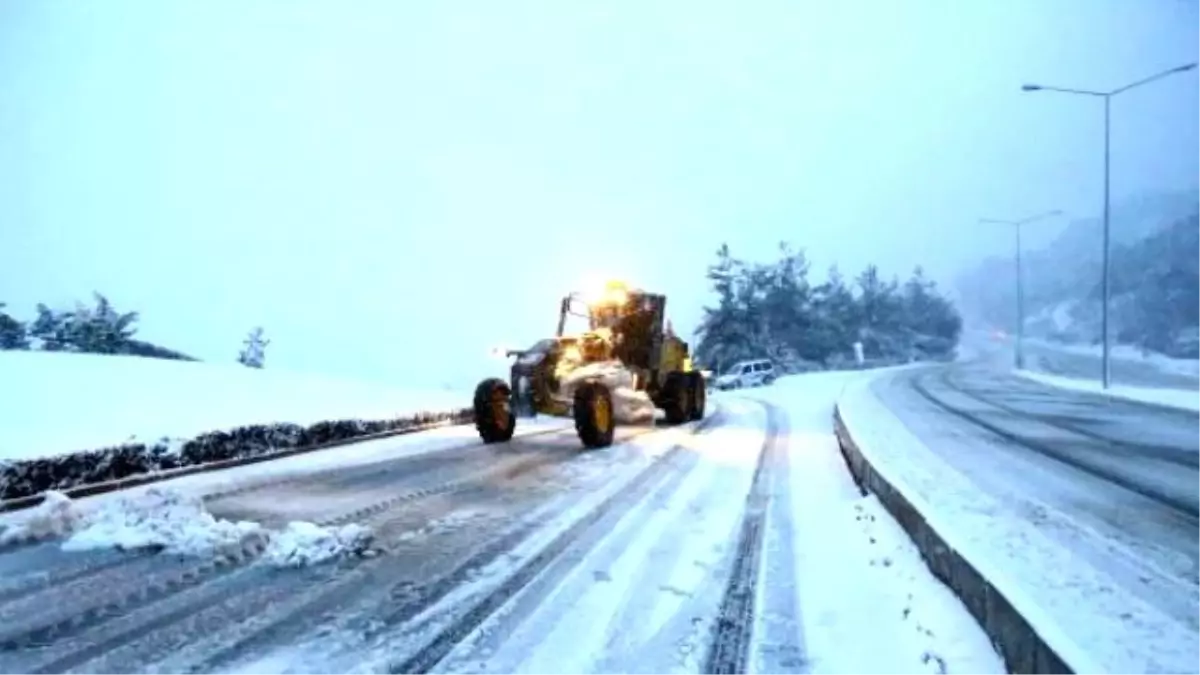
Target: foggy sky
[{"x": 393, "y": 188}]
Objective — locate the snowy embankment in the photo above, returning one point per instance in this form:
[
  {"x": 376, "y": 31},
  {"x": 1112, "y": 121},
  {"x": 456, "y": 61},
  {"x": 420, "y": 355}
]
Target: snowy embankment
[
  {"x": 1172, "y": 398},
  {"x": 78, "y": 419},
  {"x": 1047, "y": 595}
]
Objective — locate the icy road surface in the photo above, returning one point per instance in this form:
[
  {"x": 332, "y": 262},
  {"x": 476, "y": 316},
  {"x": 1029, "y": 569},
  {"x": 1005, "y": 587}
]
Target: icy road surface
[
  {"x": 1114, "y": 481},
  {"x": 736, "y": 544}
]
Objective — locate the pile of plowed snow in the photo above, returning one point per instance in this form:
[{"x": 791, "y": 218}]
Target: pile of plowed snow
[
  {"x": 173, "y": 522},
  {"x": 629, "y": 405}
]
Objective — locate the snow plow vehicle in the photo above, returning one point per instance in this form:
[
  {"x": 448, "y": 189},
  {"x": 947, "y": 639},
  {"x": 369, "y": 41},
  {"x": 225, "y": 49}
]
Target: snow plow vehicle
[{"x": 620, "y": 370}]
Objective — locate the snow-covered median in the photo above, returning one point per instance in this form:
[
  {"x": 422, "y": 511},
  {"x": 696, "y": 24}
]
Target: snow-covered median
[
  {"x": 177, "y": 523},
  {"x": 1171, "y": 398}
]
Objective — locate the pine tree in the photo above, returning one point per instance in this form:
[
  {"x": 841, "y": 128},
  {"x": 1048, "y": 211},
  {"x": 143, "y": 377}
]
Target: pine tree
[
  {"x": 254, "y": 348},
  {"x": 725, "y": 330},
  {"x": 835, "y": 320},
  {"x": 100, "y": 330},
  {"x": 51, "y": 328},
  {"x": 12, "y": 332},
  {"x": 930, "y": 321}
]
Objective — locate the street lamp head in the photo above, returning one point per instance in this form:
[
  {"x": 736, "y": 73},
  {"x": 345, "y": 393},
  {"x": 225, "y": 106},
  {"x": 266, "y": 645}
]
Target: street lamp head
[
  {"x": 1184, "y": 69},
  {"x": 1031, "y": 87}
]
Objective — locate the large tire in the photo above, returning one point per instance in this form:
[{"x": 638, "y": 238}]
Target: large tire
[
  {"x": 699, "y": 396},
  {"x": 494, "y": 417},
  {"x": 593, "y": 412},
  {"x": 676, "y": 398}
]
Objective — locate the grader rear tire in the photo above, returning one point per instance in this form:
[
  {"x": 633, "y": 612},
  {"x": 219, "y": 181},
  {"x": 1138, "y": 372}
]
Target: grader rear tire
[
  {"x": 699, "y": 396},
  {"x": 677, "y": 400},
  {"x": 595, "y": 421},
  {"x": 494, "y": 417}
]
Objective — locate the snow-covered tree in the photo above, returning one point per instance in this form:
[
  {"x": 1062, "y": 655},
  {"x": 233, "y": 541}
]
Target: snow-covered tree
[
  {"x": 100, "y": 329},
  {"x": 93, "y": 330},
  {"x": 12, "y": 332},
  {"x": 771, "y": 311},
  {"x": 254, "y": 349}
]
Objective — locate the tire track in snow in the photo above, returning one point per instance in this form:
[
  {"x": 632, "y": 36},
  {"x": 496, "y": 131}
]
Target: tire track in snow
[
  {"x": 344, "y": 477},
  {"x": 278, "y": 613},
  {"x": 779, "y": 645},
  {"x": 50, "y": 567},
  {"x": 380, "y": 582},
  {"x": 1097, "y": 465},
  {"x": 669, "y": 467},
  {"x": 195, "y": 589},
  {"x": 730, "y": 646},
  {"x": 171, "y": 624},
  {"x": 306, "y": 613},
  {"x": 121, "y": 581},
  {"x": 547, "y": 603}
]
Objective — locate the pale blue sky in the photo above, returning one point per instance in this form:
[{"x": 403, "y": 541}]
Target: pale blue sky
[{"x": 391, "y": 188}]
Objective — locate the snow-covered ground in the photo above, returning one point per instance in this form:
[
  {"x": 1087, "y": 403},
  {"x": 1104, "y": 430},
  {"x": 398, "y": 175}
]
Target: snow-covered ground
[
  {"x": 1161, "y": 362},
  {"x": 859, "y": 573},
  {"x": 1174, "y": 398},
  {"x": 63, "y": 402},
  {"x": 841, "y": 588},
  {"x": 1086, "y": 616}
]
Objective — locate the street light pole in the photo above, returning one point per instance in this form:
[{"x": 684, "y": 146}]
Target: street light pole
[
  {"x": 1105, "y": 363},
  {"x": 1019, "y": 356},
  {"x": 1105, "y": 284}
]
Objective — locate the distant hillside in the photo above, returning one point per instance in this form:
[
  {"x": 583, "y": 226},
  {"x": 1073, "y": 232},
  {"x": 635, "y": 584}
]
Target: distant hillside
[{"x": 1154, "y": 279}]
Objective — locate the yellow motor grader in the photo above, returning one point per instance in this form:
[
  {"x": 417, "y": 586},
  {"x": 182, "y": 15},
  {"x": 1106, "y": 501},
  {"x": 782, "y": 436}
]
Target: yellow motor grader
[{"x": 625, "y": 348}]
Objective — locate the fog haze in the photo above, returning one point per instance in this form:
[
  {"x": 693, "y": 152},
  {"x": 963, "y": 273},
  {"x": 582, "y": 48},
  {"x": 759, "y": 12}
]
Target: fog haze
[{"x": 371, "y": 181}]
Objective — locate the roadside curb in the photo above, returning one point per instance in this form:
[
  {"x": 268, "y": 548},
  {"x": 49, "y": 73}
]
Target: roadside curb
[
  {"x": 22, "y": 503},
  {"x": 1023, "y": 650}
]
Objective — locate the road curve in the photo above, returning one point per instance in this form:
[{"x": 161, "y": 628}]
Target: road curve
[{"x": 1115, "y": 481}]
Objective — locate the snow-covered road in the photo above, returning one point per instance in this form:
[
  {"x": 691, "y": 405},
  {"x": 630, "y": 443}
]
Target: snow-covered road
[
  {"x": 738, "y": 544},
  {"x": 1114, "y": 482},
  {"x": 1126, "y": 369}
]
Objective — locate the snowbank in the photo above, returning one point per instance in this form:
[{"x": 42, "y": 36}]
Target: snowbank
[
  {"x": 629, "y": 405},
  {"x": 174, "y": 522},
  {"x": 69, "y": 402},
  {"x": 1173, "y": 398},
  {"x": 1083, "y": 615},
  {"x": 301, "y": 544}
]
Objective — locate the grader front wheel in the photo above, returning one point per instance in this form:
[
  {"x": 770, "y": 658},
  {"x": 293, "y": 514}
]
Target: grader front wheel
[
  {"x": 595, "y": 420},
  {"x": 494, "y": 417}
]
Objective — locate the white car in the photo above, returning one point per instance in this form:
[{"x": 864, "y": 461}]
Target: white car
[{"x": 747, "y": 374}]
